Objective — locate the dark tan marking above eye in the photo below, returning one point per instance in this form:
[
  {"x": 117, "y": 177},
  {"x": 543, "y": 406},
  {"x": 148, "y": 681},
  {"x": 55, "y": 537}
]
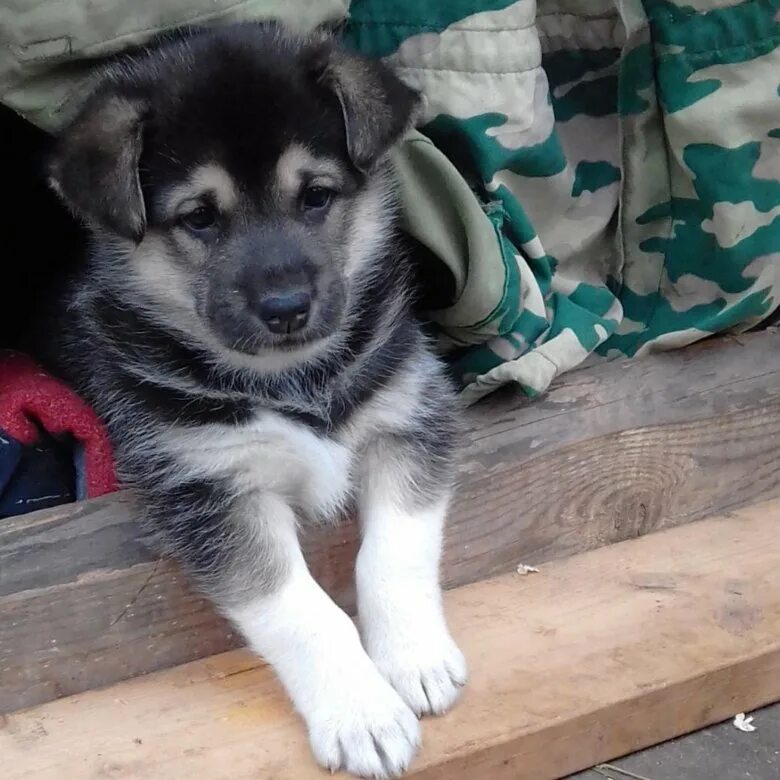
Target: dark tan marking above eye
[
  {"x": 210, "y": 182},
  {"x": 297, "y": 167}
]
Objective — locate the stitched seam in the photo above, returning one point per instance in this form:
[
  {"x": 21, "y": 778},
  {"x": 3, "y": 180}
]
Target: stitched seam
[
  {"x": 506, "y": 263},
  {"x": 672, "y": 211},
  {"x": 544, "y": 355},
  {"x": 703, "y": 53}
]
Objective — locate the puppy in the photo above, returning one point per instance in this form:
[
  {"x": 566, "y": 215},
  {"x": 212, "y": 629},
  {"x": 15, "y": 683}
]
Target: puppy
[{"x": 243, "y": 325}]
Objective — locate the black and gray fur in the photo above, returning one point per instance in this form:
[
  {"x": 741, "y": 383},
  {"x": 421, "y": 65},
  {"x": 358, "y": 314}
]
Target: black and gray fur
[
  {"x": 243, "y": 324},
  {"x": 238, "y": 97}
]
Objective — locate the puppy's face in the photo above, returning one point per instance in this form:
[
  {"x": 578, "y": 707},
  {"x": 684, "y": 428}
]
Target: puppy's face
[
  {"x": 238, "y": 174},
  {"x": 260, "y": 257}
]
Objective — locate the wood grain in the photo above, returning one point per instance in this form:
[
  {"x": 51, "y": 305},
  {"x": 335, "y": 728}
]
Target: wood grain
[
  {"x": 610, "y": 453},
  {"x": 594, "y": 657}
]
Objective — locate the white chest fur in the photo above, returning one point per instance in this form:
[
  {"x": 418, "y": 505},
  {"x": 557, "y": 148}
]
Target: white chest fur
[{"x": 271, "y": 453}]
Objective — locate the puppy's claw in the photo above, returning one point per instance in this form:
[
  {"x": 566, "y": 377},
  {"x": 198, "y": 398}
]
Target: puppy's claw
[
  {"x": 428, "y": 675},
  {"x": 375, "y": 735}
]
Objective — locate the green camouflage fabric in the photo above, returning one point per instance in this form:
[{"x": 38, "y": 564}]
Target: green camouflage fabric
[
  {"x": 600, "y": 178},
  {"x": 49, "y": 51},
  {"x": 626, "y": 156}
]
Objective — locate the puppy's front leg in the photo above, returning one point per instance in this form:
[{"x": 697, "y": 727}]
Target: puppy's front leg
[
  {"x": 397, "y": 573},
  {"x": 356, "y": 721}
]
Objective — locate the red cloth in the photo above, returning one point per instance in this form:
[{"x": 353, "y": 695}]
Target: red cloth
[{"x": 29, "y": 395}]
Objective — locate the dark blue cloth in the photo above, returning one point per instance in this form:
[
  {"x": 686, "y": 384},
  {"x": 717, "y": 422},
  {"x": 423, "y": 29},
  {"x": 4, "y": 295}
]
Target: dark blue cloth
[{"x": 35, "y": 476}]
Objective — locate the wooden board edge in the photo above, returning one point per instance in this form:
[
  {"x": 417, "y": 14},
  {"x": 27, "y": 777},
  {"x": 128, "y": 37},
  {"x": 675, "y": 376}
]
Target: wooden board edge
[
  {"x": 718, "y": 639},
  {"x": 88, "y": 604}
]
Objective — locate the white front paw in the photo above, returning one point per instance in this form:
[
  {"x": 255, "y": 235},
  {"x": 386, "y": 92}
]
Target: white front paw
[
  {"x": 425, "y": 667},
  {"x": 368, "y": 731}
]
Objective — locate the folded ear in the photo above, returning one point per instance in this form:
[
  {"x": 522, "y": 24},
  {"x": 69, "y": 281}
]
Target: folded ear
[
  {"x": 377, "y": 106},
  {"x": 94, "y": 167}
]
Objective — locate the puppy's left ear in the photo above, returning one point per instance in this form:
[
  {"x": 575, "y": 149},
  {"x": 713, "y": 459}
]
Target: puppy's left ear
[{"x": 378, "y": 108}]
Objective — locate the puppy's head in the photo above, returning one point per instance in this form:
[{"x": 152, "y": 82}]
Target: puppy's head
[{"x": 234, "y": 181}]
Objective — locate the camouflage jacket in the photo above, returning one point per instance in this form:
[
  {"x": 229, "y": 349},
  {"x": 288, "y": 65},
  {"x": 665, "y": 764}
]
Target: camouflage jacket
[{"x": 601, "y": 178}]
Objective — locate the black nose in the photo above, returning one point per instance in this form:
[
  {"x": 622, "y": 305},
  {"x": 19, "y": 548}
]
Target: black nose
[{"x": 285, "y": 312}]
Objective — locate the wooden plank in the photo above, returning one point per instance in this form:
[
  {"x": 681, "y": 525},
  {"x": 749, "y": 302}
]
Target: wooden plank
[
  {"x": 611, "y": 452},
  {"x": 594, "y": 657}
]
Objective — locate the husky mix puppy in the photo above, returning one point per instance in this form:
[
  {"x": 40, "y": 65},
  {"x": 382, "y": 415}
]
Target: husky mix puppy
[{"x": 243, "y": 325}]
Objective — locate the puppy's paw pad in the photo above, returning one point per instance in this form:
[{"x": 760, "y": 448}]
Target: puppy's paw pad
[
  {"x": 428, "y": 674},
  {"x": 369, "y": 738}
]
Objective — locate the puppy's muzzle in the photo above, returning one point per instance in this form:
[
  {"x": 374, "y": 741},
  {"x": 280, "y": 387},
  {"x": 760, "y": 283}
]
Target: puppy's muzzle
[{"x": 278, "y": 280}]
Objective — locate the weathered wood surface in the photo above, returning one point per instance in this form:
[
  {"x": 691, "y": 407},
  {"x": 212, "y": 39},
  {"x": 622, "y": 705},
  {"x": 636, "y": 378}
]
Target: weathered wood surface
[
  {"x": 611, "y": 452},
  {"x": 596, "y": 656}
]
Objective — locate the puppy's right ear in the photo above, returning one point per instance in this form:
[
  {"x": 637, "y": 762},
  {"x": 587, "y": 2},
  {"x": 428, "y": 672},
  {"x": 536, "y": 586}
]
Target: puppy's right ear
[
  {"x": 94, "y": 167},
  {"x": 377, "y": 107}
]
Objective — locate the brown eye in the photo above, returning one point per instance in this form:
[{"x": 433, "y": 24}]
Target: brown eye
[
  {"x": 200, "y": 219},
  {"x": 316, "y": 198}
]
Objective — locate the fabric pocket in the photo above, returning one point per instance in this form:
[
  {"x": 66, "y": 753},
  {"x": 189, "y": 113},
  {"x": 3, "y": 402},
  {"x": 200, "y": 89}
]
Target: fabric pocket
[{"x": 714, "y": 235}]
